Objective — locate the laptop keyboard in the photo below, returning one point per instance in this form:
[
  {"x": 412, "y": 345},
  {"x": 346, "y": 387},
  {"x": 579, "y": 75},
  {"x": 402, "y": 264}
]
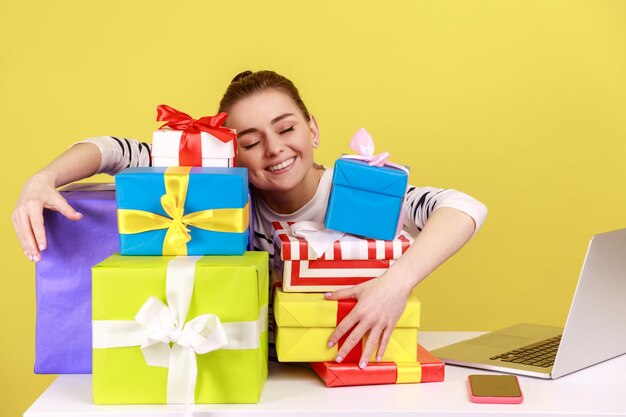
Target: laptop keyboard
[{"x": 540, "y": 354}]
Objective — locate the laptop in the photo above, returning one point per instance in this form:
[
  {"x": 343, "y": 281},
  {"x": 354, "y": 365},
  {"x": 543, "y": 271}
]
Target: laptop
[{"x": 595, "y": 329}]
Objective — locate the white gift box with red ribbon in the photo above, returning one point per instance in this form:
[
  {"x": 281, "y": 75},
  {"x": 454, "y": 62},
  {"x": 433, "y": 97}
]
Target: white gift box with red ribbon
[
  {"x": 185, "y": 141},
  {"x": 347, "y": 261},
  {"x": 215, "y": 153}
]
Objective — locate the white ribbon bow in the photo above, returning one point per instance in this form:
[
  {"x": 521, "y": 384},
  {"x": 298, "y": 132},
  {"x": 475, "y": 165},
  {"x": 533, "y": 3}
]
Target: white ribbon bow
[
  {"x": 157, "y": 325},
  {"x": 318, "y": 237}
]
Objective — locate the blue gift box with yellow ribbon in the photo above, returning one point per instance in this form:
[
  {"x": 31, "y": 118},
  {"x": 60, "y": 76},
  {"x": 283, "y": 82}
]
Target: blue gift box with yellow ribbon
[{"x": 182, "y": 211}]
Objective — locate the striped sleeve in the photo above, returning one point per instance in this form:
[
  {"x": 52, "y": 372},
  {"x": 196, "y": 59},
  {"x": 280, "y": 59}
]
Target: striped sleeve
[
  {"x": 422, "y": 201},
  {"x": 120, "y": 153}
]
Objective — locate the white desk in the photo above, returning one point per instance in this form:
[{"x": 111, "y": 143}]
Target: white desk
[{"x": 295, "y": 391}]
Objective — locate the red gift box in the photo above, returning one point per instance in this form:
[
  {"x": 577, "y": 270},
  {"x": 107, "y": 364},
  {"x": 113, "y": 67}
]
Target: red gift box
[
  {"x": 345, "y": 263},
  {"x": 428, "y": 368}
]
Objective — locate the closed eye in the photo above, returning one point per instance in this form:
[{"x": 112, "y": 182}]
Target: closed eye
[
  {"x": 252, "y": 145},
  {"x": 289, "y": 129}
]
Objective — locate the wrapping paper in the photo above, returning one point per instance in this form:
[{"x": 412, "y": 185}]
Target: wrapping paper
[
  {"x": 349, "y": 260},
  {"x": 215, "y": 153},
  {"x": 193, "y": 142},
  {"x": 366, "y": 200},
  {"x": 428, "y": 368},
  {"x": 235, "y": 288},
  {"x": 183, "y": 211},
  {"x": 63, "y": 278},
  {"x": 305, "y": 322}
]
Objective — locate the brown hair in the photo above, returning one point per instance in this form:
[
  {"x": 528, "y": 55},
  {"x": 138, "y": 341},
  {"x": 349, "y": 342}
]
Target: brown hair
[{"x": 248, "y": 83}]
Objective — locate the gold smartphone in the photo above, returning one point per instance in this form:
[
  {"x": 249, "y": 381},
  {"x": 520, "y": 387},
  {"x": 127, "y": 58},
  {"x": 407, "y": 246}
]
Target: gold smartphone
[{"x": 494, "y": 389}]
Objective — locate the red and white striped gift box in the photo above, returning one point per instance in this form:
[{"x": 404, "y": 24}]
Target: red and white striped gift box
[{"x": 349, "y": 261}]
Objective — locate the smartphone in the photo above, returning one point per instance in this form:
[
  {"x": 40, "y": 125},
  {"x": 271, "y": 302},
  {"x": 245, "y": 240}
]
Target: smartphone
[{"x": 494, "y": 389}]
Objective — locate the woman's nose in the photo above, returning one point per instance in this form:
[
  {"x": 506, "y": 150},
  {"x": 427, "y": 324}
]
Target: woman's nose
[{"x": 274, "y": 145}]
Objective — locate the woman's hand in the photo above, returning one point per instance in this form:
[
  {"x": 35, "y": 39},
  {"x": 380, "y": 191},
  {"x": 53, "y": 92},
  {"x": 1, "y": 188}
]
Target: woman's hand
[
  {"x": 80, "y": 161},
  {"x": 381, "y": 302},
  {"x": 38, "y": 193}
]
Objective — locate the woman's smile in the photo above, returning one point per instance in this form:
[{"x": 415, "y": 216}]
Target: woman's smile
[{"x": 283, "y": 166}]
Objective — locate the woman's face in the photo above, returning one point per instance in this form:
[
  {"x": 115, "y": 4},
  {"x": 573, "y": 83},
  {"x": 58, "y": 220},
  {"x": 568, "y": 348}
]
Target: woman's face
[{"x": 275, "y": 140}]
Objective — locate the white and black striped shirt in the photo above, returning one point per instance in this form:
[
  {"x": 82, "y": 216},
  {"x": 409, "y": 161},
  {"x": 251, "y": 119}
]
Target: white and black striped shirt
[{"x": 121, "y": 153}]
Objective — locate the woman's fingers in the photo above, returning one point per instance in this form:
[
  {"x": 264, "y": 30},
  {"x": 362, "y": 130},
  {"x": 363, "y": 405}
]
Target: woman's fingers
[
  {"x": 24, "y": 231},
  {"x": 342, "y": 328},
  {"x": 384, "y": 341},
  {"x": 351, "y": 341},
  {"x": 342, "y": 294},
  {"x": 370, "y": 345},
  {"x": 38, "y": 231},
  {"x": 61, "y": 205},
  {"x": 28, "y": 219}
]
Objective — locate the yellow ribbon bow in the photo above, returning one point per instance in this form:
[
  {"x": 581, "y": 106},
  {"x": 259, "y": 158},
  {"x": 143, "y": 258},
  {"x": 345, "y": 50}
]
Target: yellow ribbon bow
[{"x": 230, "y": 220}]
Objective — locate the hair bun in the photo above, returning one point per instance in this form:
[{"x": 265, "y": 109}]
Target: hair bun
[{"x": 241, "y": 75}]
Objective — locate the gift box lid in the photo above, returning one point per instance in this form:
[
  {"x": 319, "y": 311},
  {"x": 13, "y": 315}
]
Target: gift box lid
[
  {"x": 349, "y": 247},
  {"x": 88, "y": 186},
  {"x": 122, "y": 284},
  {"x": 230, "y": 186},
  {"x": 360, "y": 175},
  {"x": 313, "y": 310},
  {"x": 166, "y": 143}
]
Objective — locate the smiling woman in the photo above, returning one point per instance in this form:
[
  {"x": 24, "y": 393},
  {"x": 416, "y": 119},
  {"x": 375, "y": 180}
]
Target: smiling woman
[
  {"x": 277, "y": 136},
  {"x": 276, "y": 142}
]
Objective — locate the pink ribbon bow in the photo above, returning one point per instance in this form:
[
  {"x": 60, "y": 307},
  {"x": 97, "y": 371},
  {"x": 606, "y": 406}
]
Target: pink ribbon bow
[{"x": 363, "y": 144}]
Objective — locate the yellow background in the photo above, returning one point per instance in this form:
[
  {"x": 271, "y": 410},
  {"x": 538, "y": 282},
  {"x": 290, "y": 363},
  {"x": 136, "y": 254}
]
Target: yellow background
[{"x": 521, "y": 104}]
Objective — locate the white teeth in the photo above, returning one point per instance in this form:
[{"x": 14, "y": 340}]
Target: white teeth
[{"x": 282, "y": 164}]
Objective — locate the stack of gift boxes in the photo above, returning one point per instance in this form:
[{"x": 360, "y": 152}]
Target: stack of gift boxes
[
  {"x": 180, "y": 314},
  {"x": 362, "y": 236}
]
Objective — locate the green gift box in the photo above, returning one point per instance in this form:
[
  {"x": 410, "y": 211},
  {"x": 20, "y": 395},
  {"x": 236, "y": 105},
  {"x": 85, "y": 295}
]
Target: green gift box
[{"x": 159, "y": 320}]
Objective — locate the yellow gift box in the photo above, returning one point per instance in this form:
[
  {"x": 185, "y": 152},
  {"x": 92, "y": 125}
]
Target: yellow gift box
[{"x": 305, "y": 322}]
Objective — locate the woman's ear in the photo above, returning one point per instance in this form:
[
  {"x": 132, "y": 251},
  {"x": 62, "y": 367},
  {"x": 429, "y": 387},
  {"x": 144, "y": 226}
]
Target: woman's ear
[{"x": 315, "y": 132}]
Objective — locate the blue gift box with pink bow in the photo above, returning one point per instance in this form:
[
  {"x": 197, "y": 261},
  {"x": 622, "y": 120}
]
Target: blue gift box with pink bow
[{"x": 367, "y": 193}]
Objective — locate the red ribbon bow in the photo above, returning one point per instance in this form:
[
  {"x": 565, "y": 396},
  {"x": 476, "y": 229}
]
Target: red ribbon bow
[{"x": 190, "y": 150}]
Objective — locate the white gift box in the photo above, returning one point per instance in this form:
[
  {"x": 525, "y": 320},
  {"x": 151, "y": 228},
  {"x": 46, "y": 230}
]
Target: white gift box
[{"x": 215, "y": 153}]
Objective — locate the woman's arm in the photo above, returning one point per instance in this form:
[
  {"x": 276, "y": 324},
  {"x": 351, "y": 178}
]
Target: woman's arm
[
  {"x": 103, "y": 154},
  {"x": 443, "y": 231},
  {"x": 39, "y": 192}
]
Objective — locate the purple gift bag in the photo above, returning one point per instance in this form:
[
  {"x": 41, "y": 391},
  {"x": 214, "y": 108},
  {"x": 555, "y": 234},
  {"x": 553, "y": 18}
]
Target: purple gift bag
[{"x": 63, "y": 278}]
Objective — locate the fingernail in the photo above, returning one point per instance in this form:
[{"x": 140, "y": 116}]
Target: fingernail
[
  {"x": 330, "y": 344},
  {"x": 41, "y": 247},
  {"x": 328, "y": 294},
  {"x": 338, "y": 359},
  {"x": 30, "y": 257},
  {"x": 362, "y": 365},
  {"x": 378, "y": 358},
  {"x": 35, "y": 258}
]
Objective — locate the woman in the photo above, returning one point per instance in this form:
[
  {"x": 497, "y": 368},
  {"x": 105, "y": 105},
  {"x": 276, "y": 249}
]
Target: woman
[{"x": 277, "y": 136}]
